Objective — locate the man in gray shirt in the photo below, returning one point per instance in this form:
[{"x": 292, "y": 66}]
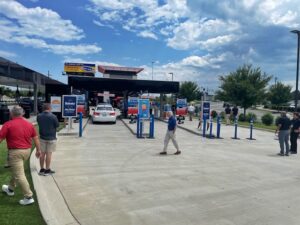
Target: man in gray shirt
[{"x": 48, "y": 125}]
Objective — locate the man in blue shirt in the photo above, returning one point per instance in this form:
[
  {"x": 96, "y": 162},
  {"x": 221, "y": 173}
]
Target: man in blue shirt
[{"x": 170, "y": 134}]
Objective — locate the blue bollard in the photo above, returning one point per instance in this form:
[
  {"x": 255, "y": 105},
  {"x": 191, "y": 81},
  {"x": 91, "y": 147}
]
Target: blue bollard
[
  {"x": 251, "y": 131},
  {"x": 210, "y": 129},
  {"x": 235, "y": 129},
  {"x": 151, "y": 130},
  {"x": 138, "y": 127},
  {"x": 80, "y": 124},
  {"x": 218, "y": 126},
  {"x": 204, "y": 126}
]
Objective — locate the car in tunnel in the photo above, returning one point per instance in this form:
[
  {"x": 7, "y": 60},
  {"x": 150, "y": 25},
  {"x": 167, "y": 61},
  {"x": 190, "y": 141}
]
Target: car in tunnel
[{"x": 104, "y": 113}]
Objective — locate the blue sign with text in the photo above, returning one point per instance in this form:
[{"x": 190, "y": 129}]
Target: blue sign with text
[
  {"x": 69, "y": 106},
  {"x": 206, "y": 110},
  {"x": 144, "y": 108}
]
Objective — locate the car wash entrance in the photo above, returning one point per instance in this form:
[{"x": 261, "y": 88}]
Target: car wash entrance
[{"x": 116, "y": 86}]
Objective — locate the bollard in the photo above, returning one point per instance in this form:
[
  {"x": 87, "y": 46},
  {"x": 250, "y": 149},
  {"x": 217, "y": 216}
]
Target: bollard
[
  {"x": 151, "y": 129},
  {"x": 204, "y": 126},
  {"x": 235, "y": 129},
  {"x": 251, "y": 131},
  {"x": 138, "y": 127},
  {"x": 211, "y": 128},
  {"x": 218, "y": 127},
  {"x": 80, "y": 124}
]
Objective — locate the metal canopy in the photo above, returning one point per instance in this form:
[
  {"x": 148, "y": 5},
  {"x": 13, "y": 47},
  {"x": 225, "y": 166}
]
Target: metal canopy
[
  {"x": 122, "y": 85},
  {"x": 13, "y": 74}
]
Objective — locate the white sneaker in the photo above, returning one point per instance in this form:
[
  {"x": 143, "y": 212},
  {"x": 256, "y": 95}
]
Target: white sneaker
[
  {"x": 26, "y": 201},
  {"x": 7, "y": 191}
]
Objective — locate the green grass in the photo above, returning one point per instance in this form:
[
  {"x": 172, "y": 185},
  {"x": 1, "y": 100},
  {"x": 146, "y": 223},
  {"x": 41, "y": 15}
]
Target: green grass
[
  {"x": 11, "y": 212},
  {"x": 258, "y": 125}
]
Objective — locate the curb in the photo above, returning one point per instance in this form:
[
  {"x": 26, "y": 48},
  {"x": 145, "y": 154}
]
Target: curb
[{"x": 54, "y": 209}]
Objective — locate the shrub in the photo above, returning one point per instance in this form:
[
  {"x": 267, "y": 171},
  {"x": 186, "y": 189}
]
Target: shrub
[
  {"x": 276, "y": 120},
  {"x": 232, "y": 118},
  {"x": 222, "y": 115},
  {"x": 242, "y": 117},
  {"x": 267, "y": 119},
  {"x": 214, "y": 114},
  {"x": 251, "y": 116}
]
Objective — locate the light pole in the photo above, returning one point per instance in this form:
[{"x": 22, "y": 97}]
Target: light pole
[
  {"x": 275, "y": 81},
  {"x": 297, "y": 73},
  {"x": 172, "y": 75},
  {"x": 152, "y": 69}
]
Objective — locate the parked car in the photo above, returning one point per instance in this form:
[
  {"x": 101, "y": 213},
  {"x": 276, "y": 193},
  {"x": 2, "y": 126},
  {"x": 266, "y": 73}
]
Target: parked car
[{"x": 104, "y": 113}]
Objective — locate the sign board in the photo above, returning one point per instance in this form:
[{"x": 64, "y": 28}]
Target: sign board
[
  {"x": 55, "y": 102},
  {"x": 69, "y": 106},
  {"x": 132, "y": 105},
  {"x": 144, "y": 108},
  {"x": 205, "y": 110},
  {"x": 133, "y": 102},
  {"x": 181, "y": 103},
  {"x": 79, "y": 68}
]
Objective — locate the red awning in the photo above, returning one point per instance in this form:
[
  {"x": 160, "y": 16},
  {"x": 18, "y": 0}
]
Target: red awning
[{"x": 104, "y": 69}]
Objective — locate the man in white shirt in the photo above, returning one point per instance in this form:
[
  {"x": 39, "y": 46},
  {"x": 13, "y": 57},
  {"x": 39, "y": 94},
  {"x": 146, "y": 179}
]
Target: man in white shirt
[{"x": 191, "y": 110}]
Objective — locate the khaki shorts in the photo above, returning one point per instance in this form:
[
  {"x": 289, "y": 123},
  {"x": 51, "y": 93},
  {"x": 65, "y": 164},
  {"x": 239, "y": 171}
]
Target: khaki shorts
[{"x": 48, "y": 146}]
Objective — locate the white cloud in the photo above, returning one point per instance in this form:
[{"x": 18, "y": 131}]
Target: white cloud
[
  {"x": 6, "y": 54},
  {"x": 147, "y": 34},
  {"x": 207, "y": 34},
  {"x": 32, "y": 27},
  {"x": 40, "y": 22}
]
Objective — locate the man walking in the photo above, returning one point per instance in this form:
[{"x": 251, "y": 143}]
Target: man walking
[
  {"x": 19, "y": 134},
  {"x": 283, "y": 129},
  {"x": 191, "y": 110},
  {"x": 294, "y": 133},
  {"x": 170, "y": 134},
  {"x": 48, "y": 124},
  {"x": 227, "y": 113},
  {"x": 235, "y": 112}
]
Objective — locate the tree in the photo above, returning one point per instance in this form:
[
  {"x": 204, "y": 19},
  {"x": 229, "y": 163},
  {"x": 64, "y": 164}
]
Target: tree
[
  {"x": 279, "y": 94},
  {"x": 189, "y": 90},
  {"x": 244, "y": 87}
]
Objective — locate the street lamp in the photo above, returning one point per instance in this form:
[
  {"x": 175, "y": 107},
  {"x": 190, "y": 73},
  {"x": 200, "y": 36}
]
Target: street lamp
[
  {"x": 297, "y": 73},
  {"x": 152, "y": 69},
  {"x": 172, "y": 75}
]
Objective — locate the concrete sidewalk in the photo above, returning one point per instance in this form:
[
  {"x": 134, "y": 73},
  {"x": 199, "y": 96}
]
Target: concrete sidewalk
[{"x": 110, "y": 177}]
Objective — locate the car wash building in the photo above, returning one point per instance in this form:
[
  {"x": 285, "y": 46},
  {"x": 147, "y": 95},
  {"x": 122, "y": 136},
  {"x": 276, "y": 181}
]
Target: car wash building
[{"x": 117, "y": 82}]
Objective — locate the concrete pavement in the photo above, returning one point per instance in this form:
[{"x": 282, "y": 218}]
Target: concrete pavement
[{"x": 109, "y": 177}]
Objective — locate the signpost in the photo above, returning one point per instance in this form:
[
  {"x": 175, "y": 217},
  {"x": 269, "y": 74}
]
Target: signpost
[
  {"x": 144, "y": 108},
  {"x": 55, "y": 103},
  {"x": 205, "y": 110},
  {"x": 69, "y": 108}
]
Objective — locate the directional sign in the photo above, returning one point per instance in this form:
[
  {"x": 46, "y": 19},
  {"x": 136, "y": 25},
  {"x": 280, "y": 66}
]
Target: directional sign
[
  {"x": 206, "y": 110},
  {"x": 69, "y": 106},
  {"x": 144, "y": 108}
]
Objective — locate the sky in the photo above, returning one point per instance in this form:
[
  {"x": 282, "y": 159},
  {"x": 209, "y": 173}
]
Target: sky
[{"x": 196, "y": 40}]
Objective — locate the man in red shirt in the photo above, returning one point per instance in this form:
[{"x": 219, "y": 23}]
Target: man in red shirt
[{"x": 19, "y": 134}]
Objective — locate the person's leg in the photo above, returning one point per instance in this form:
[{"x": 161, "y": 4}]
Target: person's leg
[
  {"x": 166, "y": 141},
  {"x": 292, "y": 141},
  {"x": 48, "y": 160},
  {"x": 281, "y": 141},
  {"x": 173, "y": 138},
  {"x": 18, "y": 175},
  {"x": 295, "y": 143},
  {"x": 42, "y": 160},
  {"x": 51, "y": 147},
  {"x": 286, "y": 140}
]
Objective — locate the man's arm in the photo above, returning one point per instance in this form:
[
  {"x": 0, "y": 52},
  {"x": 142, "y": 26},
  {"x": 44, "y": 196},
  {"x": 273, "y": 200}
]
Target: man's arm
[
  {"x": 278, "y": 128},
  {"x": 37, "y": 146}
]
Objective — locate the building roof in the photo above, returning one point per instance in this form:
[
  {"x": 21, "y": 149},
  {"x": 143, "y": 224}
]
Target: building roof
[
  {"x": 13, "y": 74},
  {"x": 107, "y": 69},
  {"x": 122, "y": 85}
]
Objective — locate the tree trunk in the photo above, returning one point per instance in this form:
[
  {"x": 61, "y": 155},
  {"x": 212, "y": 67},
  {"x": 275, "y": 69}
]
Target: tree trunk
[{"x": 245, "y": 112}]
